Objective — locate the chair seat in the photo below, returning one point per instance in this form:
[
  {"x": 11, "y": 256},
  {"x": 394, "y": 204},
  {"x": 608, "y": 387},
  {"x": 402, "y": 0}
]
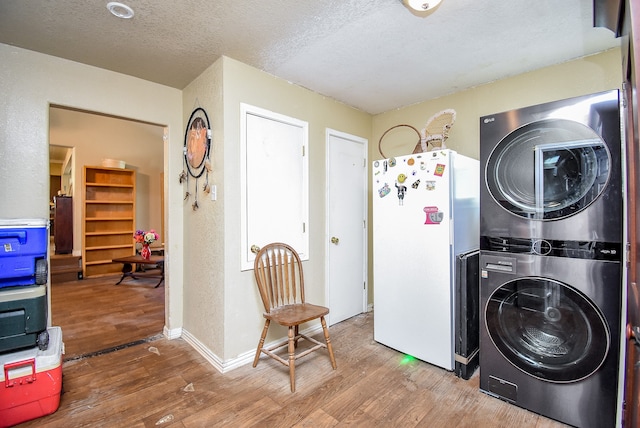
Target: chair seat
[{"x": 291, "y": 315}]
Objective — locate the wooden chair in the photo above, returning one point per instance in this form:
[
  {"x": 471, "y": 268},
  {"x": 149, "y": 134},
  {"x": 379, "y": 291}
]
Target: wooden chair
[{"x": 280, "y": 280}]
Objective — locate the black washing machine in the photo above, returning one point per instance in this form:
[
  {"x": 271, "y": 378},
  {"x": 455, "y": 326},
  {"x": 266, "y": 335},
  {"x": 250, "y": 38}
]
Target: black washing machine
[
  {"x": 553, "y": 171},
  {"x": 551, "y": 233},
  {"x": 550, "y": 328}
]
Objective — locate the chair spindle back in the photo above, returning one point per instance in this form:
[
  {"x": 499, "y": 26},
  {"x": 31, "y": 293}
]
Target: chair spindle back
[{"x": 278, "y": 272}]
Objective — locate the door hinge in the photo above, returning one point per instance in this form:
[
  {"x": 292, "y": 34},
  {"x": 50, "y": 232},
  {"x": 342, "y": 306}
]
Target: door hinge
[
  {"x": 304, "y": 227},
  {"x": 303, "y": 151}
]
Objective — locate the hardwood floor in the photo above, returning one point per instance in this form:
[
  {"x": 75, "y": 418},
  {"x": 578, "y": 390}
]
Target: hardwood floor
[
  {"x": 96, "y": 315},
  {"x": 162, "y": 382}
]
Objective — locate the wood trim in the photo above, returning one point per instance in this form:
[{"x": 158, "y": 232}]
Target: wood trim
[{"x": 630, "y": 62}]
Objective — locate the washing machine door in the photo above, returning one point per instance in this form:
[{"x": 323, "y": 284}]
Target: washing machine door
[
  {"x": 548, "y": 169},
  {"x": 547, "y": 329}
]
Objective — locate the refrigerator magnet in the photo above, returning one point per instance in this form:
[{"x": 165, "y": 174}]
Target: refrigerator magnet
[
  {"x": 402, "y": 189},
  {"x": 434, "y": 215},
  {"x": 415, "y": 184},
  {"x": 384, "y": 190},
  {"x": 439, "y": 170}
]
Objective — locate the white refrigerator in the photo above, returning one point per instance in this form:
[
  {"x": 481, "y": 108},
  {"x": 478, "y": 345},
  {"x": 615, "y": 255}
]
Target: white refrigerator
[{"x": 426, "y": 211}]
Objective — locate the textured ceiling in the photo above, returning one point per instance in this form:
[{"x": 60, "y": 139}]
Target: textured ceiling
[{"x": 371, "y": 54}]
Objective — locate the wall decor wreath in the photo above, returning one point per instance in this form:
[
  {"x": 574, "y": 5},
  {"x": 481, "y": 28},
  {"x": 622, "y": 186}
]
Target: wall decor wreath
[{"x": 196, "y": 150}]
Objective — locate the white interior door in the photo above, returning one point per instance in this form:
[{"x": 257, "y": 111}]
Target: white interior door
[
  {"x": 346, "y": 227},
  {"x": 274, "y": 174}
]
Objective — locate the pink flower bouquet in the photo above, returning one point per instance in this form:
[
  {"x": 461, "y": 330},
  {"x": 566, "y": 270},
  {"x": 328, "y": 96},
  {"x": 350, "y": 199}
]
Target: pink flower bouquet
[{"x": 143, "y": 237}]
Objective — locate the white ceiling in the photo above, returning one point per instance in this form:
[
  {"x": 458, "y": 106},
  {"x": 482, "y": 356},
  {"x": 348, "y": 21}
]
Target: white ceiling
[{"x": 371, "y": 54}]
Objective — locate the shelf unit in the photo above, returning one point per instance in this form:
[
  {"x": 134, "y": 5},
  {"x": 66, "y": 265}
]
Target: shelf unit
[{"x": 109, "y": 218}]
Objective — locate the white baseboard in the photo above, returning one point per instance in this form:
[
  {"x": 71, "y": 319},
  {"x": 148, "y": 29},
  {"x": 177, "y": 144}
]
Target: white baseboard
[
  {"x": 240, "y": 360},
  {"x": 172, "y": 334},
  {"x": 203, "y": 350}
]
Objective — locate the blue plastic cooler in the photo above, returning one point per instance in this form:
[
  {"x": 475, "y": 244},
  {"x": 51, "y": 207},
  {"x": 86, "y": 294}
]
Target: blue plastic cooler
[{"x": 23, "y": 252}]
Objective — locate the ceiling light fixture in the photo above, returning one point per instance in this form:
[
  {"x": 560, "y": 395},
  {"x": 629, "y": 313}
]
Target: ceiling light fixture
[
  {"x": 422, "y": 7},
  {"x": 120, "y": 10}
]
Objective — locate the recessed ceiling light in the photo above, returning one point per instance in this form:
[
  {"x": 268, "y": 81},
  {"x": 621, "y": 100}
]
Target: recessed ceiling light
[
  {"x": 120, "y": 10},
  {"x": 422, "y": 7}
]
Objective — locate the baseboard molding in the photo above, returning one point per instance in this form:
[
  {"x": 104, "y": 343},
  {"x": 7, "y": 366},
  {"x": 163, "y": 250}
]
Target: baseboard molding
[
  {"x": 240, "y": 360},
  {"x": 172, "y": 334},
  {"x": 212, "y": 358}
]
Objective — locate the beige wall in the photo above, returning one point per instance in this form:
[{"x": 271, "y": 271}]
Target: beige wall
[
  {"x": 217, "y": 286},
  {"x": 221, "y": 305},
  {"x": 55, "y": 168},
  {"x": 588, "y": 75},
  {"x": 203, "y": 229},
  {"x": 97, "y": 137},
  {"x": 29, "y": 83},
  {"x": 583, "y": 76},
  {"x": 243, "y": 316}
]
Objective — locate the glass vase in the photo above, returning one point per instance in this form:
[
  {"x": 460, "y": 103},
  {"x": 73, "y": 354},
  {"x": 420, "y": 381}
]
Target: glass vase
[{"x": 145, "y": 253}]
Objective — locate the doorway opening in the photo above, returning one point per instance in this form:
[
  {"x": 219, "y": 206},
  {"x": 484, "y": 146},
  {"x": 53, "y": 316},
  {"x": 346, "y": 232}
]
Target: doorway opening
[{"x": 96, "y": 314}]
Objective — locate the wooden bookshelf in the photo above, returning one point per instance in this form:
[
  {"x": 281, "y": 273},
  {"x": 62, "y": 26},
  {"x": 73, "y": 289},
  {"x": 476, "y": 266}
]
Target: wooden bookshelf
[{"x": 108, "y": 218}]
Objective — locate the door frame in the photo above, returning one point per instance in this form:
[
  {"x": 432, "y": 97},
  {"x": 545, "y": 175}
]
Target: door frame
[
  {"x": 77, "y": 194},
  {"x": 365, "y": 150},
  {"x": 629, "y": 390}
]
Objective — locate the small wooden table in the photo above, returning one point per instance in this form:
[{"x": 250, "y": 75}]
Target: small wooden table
[{"x": 128, "y": 271}]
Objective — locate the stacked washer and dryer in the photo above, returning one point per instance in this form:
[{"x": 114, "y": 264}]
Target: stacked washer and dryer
[{"x": 551, "y": 261}]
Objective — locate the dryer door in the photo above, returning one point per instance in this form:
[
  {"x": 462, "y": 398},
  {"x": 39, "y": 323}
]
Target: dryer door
[
  {"x": 547, "y": 329},
  {"x": 548, "y": 169}
]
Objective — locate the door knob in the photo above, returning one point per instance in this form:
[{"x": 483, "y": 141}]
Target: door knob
[
  {"x": 255, "y": 249},
  {"x": 334, "y": 240}
]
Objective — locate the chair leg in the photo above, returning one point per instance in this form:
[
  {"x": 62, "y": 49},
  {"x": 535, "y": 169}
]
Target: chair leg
[
  {"x": 261, "y": 343},
  {"x": 292, "y": 359},
  {"x": 328, "y": 340},
  {"x": 296, "y": 332}
]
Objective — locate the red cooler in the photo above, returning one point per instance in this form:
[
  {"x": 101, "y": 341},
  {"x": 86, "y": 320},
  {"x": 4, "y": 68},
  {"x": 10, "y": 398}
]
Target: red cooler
[{"x": 31, "y": 381}]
